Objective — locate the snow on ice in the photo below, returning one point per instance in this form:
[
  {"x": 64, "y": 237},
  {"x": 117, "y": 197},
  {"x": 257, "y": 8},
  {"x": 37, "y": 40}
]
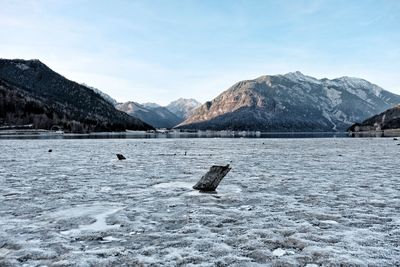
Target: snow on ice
[{"x": 286, "y": 202}]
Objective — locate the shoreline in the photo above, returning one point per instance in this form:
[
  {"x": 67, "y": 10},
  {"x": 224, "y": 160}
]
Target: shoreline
[
  {"x": 379, "y": 133},
  {"x": 45, "y": 134}
]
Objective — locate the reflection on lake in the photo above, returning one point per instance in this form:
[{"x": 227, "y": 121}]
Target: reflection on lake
[{"x": 170, "y": 134}]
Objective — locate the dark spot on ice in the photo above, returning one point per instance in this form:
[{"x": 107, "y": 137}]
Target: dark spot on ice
[
  {"x": 22, "y": 259},
  {"x": 50, "y": 150},
  {"x": 259, "y": 256},
  {"x": 230, "y": 220},
  {"x": 120, "y": 157},
  {"x": 89, "y": 238}
]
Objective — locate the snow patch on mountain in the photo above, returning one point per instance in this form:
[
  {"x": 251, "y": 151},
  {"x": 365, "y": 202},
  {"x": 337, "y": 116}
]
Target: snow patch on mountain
[
  {"x": 356, "y": 82},
  {"x": 341, "y": 116},
  {"x": 328, "y": 117},
  {"x": 131, "y": 107},
  {"x": 333, "y": 95},
  {"x": 359, "y": 92},
  {"x": 183, "y": 107},
  {"x": 297, "y": 76},
  {"x": 22, "y": 66}
]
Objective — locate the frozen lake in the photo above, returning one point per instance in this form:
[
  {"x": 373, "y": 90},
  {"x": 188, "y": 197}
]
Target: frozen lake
[{"x": 286, "y": 202}]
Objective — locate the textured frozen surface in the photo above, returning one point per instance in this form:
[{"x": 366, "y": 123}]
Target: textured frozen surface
[{"x": 286, "y": 202}]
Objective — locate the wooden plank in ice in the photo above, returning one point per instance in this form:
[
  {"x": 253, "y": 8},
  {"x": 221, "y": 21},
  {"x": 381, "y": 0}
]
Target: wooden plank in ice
[{"x": 211, "y": 180}]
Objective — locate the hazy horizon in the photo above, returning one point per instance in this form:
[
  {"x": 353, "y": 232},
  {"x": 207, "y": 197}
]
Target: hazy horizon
[{"x": 159, "y": 51}]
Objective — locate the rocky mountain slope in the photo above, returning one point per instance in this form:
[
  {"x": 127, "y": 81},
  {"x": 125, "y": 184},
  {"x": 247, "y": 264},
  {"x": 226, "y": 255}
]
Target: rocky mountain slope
[
  {"x": 106, "y": 97},
  {"x": 150, "y": 105},
  {"x": 157, "y": 116},
  {"x": 31, "y": 93},
  {"x": 292, "y": 102},
  {"x": 182, "y": 107},
  {"x": 389, "y": 119}
]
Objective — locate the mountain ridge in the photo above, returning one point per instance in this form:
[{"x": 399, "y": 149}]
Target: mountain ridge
[
  {"x": 387, "y": 120},
  {"x": 292, "y": 102},
  {"x": 76, "y": 107},
  {"x": 183, "y": 107}
]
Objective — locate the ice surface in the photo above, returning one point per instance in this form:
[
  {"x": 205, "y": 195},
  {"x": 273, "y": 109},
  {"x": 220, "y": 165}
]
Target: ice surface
[
  {"x": 286, "y": 202},
  {"x": 278, "y": 252},
  {"x": 99, "y": 213}
]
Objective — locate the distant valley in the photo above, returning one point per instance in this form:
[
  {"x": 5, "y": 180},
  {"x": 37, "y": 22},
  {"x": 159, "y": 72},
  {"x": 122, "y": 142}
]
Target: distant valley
[{"x": 158, "y": 116}]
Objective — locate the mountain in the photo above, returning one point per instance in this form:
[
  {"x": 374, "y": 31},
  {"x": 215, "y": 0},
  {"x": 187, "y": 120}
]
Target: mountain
[
  {"x": 389, "y": 119},
  {"x": 150, "y": 105},
  {"x": 292, "y": 102},
  {"x": 32, "y": 93},
  {"x": 182, "y": 107},
  {"x": 158, "y": 117},
  {"x": 106, "y": 97}
]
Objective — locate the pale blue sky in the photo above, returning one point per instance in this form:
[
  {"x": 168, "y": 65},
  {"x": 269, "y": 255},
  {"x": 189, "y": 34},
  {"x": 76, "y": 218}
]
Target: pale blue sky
[{"x": 161, "y": 50}]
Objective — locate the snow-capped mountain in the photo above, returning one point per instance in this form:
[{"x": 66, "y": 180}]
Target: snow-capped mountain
[
  {"x": 183, "y": 107},
  {"x": 157, "y": 116},
  {"x": 292, "y": 102}
]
